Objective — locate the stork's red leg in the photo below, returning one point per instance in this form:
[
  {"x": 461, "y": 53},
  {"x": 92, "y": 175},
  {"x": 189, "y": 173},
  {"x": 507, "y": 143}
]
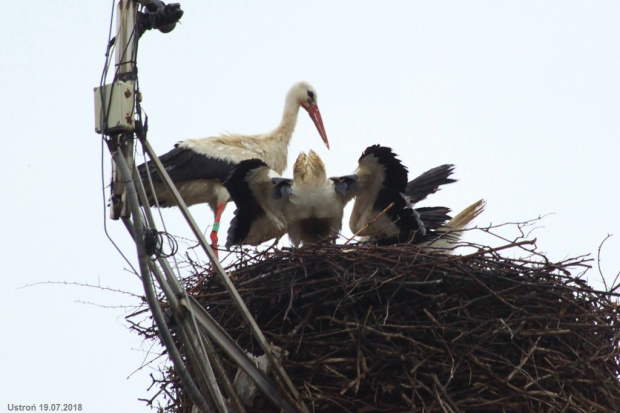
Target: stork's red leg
[{"x": 216, "y": 227}]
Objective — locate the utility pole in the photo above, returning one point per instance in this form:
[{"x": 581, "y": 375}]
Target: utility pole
[
  {"x": 115, "y": 103},
  {"x": 115, "y": 108},
  {"x": 124, "y": 80}
]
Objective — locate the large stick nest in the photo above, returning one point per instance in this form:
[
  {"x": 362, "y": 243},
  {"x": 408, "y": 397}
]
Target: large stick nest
[{"x": 370, "y": 328}]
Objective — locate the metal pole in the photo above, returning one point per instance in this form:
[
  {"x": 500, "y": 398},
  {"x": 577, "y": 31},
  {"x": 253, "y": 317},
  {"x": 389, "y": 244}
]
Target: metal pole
[
  {"x": 125, "y": 40},
  {"x": 188, "y": 322},
  {"x": 122, "y": 154},
  {"x": 149, "y": 291},
  {"x": 121, "y": 146},
  {"x": 188, "y": 334},
  {"x": 125, "y": 70},
  {"x": 213, "y": 329},
  {"x": 236, "y": 298}
]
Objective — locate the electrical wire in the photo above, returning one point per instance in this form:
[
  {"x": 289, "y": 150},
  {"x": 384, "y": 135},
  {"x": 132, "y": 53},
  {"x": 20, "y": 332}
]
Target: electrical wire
[
  {"x": 154, "y": 233},
  {"x": 153, "y": 239},
  {"x": 111, "y": 45},
  {"x": 109, "y": 48}
]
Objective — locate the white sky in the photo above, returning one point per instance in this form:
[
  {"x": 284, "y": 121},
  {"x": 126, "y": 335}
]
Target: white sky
[{"x": 523, "y": 96}]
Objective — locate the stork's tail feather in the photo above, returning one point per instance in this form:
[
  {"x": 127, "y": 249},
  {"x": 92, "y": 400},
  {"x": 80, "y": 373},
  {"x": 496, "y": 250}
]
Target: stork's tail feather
[
  {"x": 448, "y": 236},
  {"x": 466, "y": 216}
]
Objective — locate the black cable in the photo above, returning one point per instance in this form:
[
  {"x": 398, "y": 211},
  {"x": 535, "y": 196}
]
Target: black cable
[
  {"x": 154, "y": 239},
  {"x": 105, "y": 121},
  {"x": 111, "y": 42},
  {"x": 132, "y": 59},
  {"x": 104, "y": 73},
  {"x": 154, "y": 244}
]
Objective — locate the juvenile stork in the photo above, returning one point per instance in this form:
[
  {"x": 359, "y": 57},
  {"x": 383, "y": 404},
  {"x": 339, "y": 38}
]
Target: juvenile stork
[
  {"x": 198, "y": 167},
  {"x": 308, "y": 207},
  {"x": 384, "y": 210}
]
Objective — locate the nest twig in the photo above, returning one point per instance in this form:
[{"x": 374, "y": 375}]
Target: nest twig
[{"x": 372, "y": 328}]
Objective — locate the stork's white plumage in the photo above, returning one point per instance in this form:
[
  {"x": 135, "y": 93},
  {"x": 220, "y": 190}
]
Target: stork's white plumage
[
  {"x": 198, "y": 167},
  {"x": 315, "y": 205},
  {"x": 310, "y": 205}
]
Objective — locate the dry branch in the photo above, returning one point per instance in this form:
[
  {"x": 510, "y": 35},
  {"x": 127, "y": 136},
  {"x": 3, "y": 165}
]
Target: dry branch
[{"x": 370, "y": 328}]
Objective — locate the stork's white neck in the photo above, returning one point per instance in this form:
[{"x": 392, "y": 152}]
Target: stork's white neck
[
  {"x": 284, "y": 131},
  {"x": 276, "y": 143}
]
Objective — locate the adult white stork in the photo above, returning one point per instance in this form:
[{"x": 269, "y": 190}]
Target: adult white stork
[
  {"x": 384, "y": 213},
  {"x": 308, "y": 207},
  {"x": 198, "y": 167}
]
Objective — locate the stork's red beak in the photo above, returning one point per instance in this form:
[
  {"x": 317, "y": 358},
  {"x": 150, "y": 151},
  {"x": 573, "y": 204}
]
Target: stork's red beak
[{"x": 315, "y": 115}]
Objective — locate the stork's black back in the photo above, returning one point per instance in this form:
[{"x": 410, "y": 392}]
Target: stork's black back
[{"x": 184, "y": 165}]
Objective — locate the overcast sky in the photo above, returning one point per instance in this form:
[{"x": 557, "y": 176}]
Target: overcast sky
[{"x": 523, "y": 97}]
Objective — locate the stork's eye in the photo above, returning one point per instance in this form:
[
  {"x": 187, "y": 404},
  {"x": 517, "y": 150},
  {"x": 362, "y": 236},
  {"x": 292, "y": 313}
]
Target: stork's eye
[{"x": 311, "y": 95}]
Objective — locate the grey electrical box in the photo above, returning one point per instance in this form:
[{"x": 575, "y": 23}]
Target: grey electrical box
[{"x": 117, "y": 100}]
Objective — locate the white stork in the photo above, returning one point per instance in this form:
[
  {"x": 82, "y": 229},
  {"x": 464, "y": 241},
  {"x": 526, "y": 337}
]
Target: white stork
[
  {"x": 199, "y": 166},
  {"x": 308, "y": 207},
  {"x": 383, "y": 208}
]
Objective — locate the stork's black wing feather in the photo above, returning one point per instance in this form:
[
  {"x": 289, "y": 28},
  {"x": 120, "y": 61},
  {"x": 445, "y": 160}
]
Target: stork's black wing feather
[
  {"x": 395, "y": 172},
  {"x": 415, "y": 224},
  {"x": 248, "y": 209},
  {"x": 434, "y": 217},
  {"x": 184, "y": 164},
  {"x": 392, "y": 188},
  {"x": 429, "y": 182}
]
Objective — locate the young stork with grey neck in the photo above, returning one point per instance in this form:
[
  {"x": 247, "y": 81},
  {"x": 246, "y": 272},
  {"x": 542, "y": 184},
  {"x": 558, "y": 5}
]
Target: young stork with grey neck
[
  {"x": 308, "y": 207},
  {"x": 198, "y": 167}
]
